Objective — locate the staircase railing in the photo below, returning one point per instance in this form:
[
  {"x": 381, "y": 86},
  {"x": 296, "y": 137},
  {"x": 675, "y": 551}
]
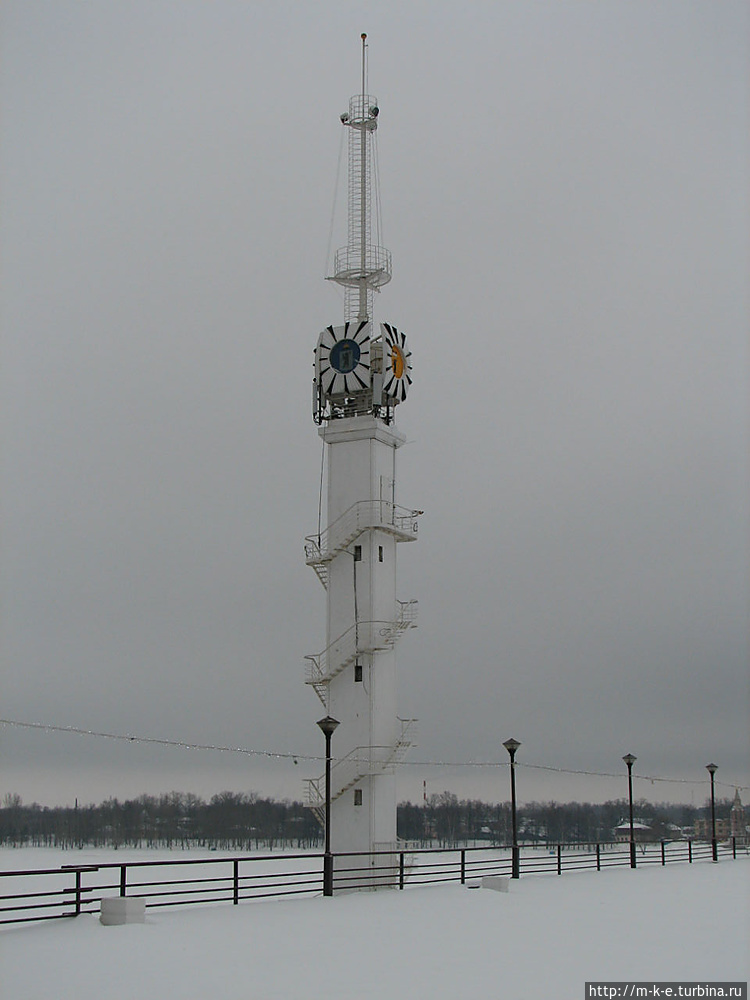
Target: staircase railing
[
  {"x": 363, "y": 637},
  {"x": 365, "y": 514},
  {"x": 359, "y": 763}
]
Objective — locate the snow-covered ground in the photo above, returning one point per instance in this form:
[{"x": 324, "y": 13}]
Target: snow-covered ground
[{"x": 544, "y": 939}]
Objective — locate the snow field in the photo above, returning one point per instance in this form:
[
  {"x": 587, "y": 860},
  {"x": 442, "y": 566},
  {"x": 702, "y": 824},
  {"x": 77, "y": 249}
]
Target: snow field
[{"x": 544, "y": 939}]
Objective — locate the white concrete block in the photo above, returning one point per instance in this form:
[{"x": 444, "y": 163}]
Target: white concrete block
[
  {"x": 123, "y": 910},
  {"x": 473, "y": 883},
  {"x": 497, "y": 882}
]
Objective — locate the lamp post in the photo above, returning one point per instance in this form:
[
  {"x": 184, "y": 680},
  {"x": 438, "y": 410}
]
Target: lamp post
[
  {"x": 327, "y": 726},
  {"x": 712, "y": 769},
  {"x": 630, "y": 760},
  {"x": 511, "y": 746}
]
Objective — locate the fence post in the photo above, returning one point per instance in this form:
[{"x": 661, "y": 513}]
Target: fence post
[
  {"x": 401, "y": 870},
  {"x": 463, "y": 866},
  {"x": 78, "y": 891},
  {"x": 328, "y": 874},
  {"x": 236, "y": 882},
  {"x": 734, "y": 847},
  {"x": 123, "y": 879},
  {"x": 690, "y": 852},
  {"x": 598, "y": 859},
  {"x": 663, "y": 858},
  {"x": 559, "y": 859}
]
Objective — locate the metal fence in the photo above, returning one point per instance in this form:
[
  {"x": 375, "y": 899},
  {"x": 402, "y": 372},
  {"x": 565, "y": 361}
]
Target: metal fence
[{"x": 67, "y": 891}]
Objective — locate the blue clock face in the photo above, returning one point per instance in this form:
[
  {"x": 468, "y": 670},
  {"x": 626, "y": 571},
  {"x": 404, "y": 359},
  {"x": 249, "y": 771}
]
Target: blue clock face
[
  {"x": 344, "y": 356},
  {"x": 342, "y": 359}
]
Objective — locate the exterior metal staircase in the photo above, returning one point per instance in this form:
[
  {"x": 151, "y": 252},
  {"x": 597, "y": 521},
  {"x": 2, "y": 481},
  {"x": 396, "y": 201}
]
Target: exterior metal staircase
[
  {"x": 362, "y": 638},
  {"x": 360, "y": 763},
  {"x": 360, "y": 517}
]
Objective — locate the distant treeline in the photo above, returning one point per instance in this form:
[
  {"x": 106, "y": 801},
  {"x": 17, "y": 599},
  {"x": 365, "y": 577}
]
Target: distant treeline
[
  {"x": 446, "y": 821},
  {"x": 231, "y": 821}
]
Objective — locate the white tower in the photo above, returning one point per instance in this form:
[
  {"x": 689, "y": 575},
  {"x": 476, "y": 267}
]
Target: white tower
[{"x": 362, "y": 373}]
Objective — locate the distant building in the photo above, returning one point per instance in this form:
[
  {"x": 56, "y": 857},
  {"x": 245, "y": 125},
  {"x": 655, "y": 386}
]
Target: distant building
[
  {"x": 702, "y": 828},
  {"x": 642, "y": 832},
  {"x": 676, "y": 832}
]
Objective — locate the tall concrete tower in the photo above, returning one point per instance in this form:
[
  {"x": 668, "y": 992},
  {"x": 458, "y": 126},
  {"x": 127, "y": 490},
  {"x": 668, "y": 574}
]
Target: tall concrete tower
[{"x": 362, "y": 373}]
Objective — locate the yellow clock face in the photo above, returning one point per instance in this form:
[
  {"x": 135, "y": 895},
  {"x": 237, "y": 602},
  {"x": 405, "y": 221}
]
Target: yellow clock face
[
  {"x": 398, "y": 362},
  {"x": 397, "y": 374}
]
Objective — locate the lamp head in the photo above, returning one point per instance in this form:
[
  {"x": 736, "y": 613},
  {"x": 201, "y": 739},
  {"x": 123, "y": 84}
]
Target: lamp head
[{"x": 327, "y": 725}]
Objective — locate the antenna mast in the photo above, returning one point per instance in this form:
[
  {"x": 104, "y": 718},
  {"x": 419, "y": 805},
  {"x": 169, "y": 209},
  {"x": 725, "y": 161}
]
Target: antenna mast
[{"x": 361, "y": 266}]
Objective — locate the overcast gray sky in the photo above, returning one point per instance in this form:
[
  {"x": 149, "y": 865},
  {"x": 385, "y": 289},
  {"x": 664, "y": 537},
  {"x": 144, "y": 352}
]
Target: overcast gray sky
[{"x": 565, "y": 194}]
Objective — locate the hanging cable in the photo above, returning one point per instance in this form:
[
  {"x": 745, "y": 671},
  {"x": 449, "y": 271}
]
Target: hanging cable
[
  {"x": 335, "y": 200},
  {"x": 131, "y": 738},
  {"x": 290, "y": 755},
  {"x": 356, "y": 609},
  {"x": 320, "y": 492},
  {"x": 379, "y": 234}
]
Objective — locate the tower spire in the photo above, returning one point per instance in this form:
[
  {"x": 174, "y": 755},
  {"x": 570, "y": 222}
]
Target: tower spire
[{"x": 362, "y": 266}]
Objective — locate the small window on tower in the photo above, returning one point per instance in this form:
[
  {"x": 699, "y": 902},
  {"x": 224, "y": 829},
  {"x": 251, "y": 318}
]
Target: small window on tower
[
  {"x": 357, "y": 796},
  {"x": 358, "y": 672},
  {"x": 358, "y": 553},
  {"x": 380, "y": 553}
]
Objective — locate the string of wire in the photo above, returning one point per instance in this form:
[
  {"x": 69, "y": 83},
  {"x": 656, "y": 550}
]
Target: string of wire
[
  {"x": 334, "y": 204},
  {"x": 296, "y": 757}
]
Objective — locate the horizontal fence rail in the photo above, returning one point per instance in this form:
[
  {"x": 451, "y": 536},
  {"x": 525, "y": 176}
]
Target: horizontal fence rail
[
  {"x": 45, "y": 894},
  {"x": 68, "y": 891}
]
